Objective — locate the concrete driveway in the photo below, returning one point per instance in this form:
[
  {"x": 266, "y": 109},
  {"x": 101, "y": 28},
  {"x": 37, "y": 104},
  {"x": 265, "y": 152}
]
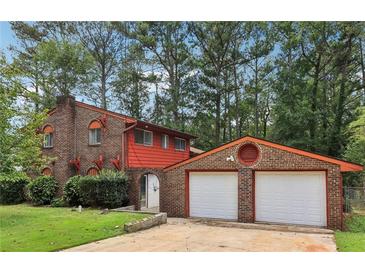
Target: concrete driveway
[{"x": 185, "y": 235}]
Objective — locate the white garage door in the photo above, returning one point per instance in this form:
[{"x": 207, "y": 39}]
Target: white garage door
[
  {"x": 291, "y": 197},
  {"x": 214, "y": 195}
]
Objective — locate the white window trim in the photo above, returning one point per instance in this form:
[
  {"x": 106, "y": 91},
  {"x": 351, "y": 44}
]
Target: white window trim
[
  {"x": 178, "y": 148},
  {"x": 94, "y": 130},
  {"x": 144, "y": 141},
  {"x": 44, "y": 140},
  {"x": 166, "y": 138}
]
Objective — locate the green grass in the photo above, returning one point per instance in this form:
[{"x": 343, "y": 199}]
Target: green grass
[
  {"x": 354, "y": 238},
  {"x": 27, "y": 228}
]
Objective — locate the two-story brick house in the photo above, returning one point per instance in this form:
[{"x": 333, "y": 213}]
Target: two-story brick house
[
  {"x": 246, "y": 180},
  {"x": 84, "y": 139}
]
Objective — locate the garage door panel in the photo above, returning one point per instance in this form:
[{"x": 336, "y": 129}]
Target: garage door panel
[
  {"x": 291, "y": 197},
  {"x": 213, "y": 195}
]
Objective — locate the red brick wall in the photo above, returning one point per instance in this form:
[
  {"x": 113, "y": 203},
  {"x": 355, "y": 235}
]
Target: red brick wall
[
  {"x": 111, "y": 139},
  {"x": 71, "y": 135},
  {"x": 172, "y": 188},
  {"x": 63, "y": 123}
]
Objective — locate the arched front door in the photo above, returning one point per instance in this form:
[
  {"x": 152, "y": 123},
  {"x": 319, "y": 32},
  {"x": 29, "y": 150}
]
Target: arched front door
[{"x": 150, "y": 191}]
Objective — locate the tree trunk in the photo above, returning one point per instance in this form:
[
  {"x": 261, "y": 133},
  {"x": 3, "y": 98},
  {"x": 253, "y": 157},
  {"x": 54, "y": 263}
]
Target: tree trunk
[
  {"x": 256, "y": 100},
  {"x": 217, "y": 113},
  {"x": 313, "y": 120},
  {"x": 103, "y": 87},
  {"x": 335, "y": 146},
  {"x": 344, "y": 61},
  {"x": 362, "y": 66},
  {"x": 237, "y": 102}
]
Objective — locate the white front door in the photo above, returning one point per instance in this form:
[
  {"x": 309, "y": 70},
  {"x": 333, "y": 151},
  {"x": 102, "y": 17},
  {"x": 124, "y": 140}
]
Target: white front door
[
  {"x": 153, "y": 191},
  {"x": 291, "y": 197},
  {"x": 213, "y": 195}
]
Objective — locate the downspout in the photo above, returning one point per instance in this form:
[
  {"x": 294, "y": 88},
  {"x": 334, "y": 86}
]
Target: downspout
[
  {"x": 124, "y": 146},
  {"x": 75, "y": 137}
]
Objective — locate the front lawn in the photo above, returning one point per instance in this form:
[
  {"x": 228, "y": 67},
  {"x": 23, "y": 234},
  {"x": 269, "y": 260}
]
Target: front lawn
[
  {"x": 354, "y": 238},
  {"x": 27, "y": 228}
]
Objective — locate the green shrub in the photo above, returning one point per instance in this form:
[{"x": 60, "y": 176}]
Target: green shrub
[
  {"x": 112, "y": 189},
  {"x": 89, "y": 190},
  {"x": 108, "y": 189},
  {"x": 71, "y": 191},
  {"x": 58, "y": 202},
  {"x": 12, "y": 188},
  {"x": 42, "y": 190}
]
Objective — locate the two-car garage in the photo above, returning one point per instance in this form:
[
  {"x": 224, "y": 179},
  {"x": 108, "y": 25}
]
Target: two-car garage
[
  {"x": 280, "y": 197},
  {"x": 254, "y": 180}
]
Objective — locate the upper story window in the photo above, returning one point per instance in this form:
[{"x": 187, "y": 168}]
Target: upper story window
[
  {"x": 95, "y": 133},
  {"x": 164, "y": 141},
  {"x": 48, "y": 137},
  {"x": 180, "y": 144},
  {"x": 143, "y": 137}
]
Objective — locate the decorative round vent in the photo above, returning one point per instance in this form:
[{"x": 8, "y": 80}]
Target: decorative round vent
[{"x": 248, "y": 154}]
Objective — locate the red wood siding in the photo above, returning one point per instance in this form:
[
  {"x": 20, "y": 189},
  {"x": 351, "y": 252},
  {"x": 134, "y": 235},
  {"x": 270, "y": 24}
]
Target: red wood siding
[{"x": 154, "y": 156}]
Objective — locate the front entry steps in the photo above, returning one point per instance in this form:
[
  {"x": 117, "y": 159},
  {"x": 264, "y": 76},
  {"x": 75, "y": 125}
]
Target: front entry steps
[
  {"x": 155, "y": 209},
  {"x": 264, "y": 226},
  {"x": 132, "y": 208}
]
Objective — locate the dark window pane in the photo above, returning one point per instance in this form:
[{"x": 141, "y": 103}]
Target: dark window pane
[
  {"x": 98, "y": 135},
  {"x": 138, "y": 136},
  {"x": 143, "y": 191},
  {"x": 48, "y": 140},
  {"x": 180, "y": 144}
]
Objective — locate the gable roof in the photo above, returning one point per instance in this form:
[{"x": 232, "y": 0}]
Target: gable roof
[
  {"x": 177, "y": 133},
  {"x": 127, "y": 119},
  {"x": 123, "y": 117},
  {"x": 344, "y": 165}
]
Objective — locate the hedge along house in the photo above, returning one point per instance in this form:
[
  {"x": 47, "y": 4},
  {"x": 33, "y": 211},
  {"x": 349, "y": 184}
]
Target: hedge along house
[{"x": 254, "y": 180}]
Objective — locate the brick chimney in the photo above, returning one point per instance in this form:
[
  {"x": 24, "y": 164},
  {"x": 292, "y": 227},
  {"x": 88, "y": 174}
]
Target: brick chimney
[
  {"x": 65, "y": 137},
  {"x": 65, "y": 100}
]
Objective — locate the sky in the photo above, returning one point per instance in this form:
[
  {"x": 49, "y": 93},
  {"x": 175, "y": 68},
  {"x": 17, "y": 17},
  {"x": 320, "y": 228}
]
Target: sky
[{"x": 6, "y": 37}]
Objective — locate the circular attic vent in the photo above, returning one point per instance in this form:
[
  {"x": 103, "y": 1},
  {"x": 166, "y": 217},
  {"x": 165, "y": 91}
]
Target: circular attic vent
[{"x": 248, "y": 154}]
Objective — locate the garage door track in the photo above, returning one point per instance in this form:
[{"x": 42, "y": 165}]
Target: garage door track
[{"x": 186, "y": 235}]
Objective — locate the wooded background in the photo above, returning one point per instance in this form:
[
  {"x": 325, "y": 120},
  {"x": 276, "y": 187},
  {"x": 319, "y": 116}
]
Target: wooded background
[{"x": 297, "y": 83}]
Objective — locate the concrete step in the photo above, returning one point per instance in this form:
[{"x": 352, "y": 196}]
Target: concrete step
[{"x": 264, "y": 226}]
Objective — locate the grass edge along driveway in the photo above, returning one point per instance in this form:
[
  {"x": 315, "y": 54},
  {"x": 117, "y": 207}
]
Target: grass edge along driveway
[
  {"x": 353, "y": 239},
  {"x": 28, "y": 228}
]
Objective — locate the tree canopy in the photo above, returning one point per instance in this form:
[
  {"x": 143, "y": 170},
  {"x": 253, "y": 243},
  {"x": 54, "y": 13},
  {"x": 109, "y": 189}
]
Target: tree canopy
[{"x": 298, "y": 83}]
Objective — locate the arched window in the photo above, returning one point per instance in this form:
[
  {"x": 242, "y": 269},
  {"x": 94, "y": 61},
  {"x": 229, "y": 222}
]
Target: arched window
[
  {"x": 95, "y": 133},
  {"x": 47, "y": 171},
  {"x": 92, "y": 171},
  {"x": 48, "y": 137}
]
